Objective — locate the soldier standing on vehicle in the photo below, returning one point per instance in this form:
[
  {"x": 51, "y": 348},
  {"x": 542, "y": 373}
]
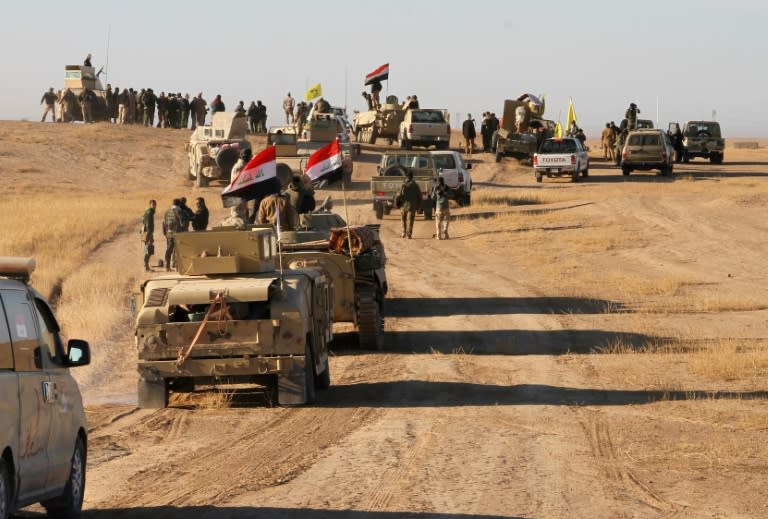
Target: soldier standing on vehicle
[
  {"x": 200, "y": 219},
  {"x": 409, "y": 201},
  {"x": 148, "y": 232},
  {"x": 442, "y": 209},
  {"x": 261, "y": 117},
  {"x": 172, "y": 224},
  {"x": 217, "y": 105},
  {"x": 469, "y": 133},
  {"x": 49, "y": 98},
  {"x": 288, "y": 104},
  {"x": 631, "y": 116},
  {"x": 253, "y": 117},
  {"x": 375, "y": 91},
  {"x": 271, "y": 205}
]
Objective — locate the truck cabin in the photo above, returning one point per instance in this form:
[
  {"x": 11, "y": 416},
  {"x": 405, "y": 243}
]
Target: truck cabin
[
  {"x": 427, "y": 116},
  {"x": 560, "y": 146},
  {"x": 78, "y": 77},
  {"x": 421, "y": 165}
]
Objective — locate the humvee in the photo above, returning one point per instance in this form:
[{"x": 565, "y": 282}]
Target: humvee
[
  {"x": 214, "y": 149},
  {"x": 230, "y": 317}
]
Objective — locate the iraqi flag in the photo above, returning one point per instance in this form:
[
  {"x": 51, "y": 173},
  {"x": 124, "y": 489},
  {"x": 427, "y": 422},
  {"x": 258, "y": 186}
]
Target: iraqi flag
[
  {"x": 380, "y": 74},
  {"x": 256, "y": 180},
  {"x": 325, "y": 163}
]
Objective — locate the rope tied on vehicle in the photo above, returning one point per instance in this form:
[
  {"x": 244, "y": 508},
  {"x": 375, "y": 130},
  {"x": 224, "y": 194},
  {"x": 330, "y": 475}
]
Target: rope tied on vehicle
[{"x": 217, "y": 306}]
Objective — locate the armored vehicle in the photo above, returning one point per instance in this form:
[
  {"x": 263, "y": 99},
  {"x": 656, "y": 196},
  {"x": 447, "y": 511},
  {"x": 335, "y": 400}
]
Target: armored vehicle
[
  {"x": 230, "y": 317},
  {"x": 522, "y": 129},
  {"x": 353, "y": 259},
  {"x": 382, "y": 123},
  {"x": 214, "y": 149},
  {"x": 43, "y": 433},
  {"x": 76, "y": 79}
]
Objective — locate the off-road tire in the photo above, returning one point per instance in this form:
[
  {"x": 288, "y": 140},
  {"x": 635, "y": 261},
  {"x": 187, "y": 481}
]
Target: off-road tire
[
  {"x": 585, "y": 172},
  {"x": 427, "y": 209},
  {"x": 379, "y": 208},
  {"x": 499, "y": 155},
  {"x": 575, "y": 176},
  {"x": 370, "y": 323},
  {"x": 70, "y": 503},
  {"x": 716, "y": 158},
  {"x": 152, "y": 395},
  {"x": 625, "y": 171},
  {"x": 539, "y": 177},
  {"x": 323, "y": 380},
  {"x": 5, "y": 490}
]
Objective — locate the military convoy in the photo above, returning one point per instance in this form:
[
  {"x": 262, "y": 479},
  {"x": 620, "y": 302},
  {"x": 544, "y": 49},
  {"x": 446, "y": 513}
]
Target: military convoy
[
  {"x": 215, "y": 148},
  {"x": 522, "y": 129},
  {"x": 230, "y": 316},
  {"x": 381, "y": 123}
]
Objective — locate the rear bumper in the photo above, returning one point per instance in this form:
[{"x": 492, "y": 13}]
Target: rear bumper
[
  {"x": 155, "y": 371},
  {"x": 644, "y": 165}
]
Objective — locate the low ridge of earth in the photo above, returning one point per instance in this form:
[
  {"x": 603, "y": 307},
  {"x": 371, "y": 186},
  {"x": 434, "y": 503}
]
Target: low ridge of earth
[{"x": 590, "y": 349}]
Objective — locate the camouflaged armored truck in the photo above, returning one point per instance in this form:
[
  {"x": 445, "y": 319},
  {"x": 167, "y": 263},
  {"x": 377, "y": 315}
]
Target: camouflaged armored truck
[
  {"x": 359, "y": 278},
  {"x": 76, "y": 79},
  {"x": 229, "y": 317},
  {"x": 522, "y": 129},
  {"x": 215, "y": 148},
  {"x": 383, "y": 123}
]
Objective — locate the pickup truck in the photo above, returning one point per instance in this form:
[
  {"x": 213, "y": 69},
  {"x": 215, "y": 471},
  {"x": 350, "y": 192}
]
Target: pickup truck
[
  {"x": 425, "y": 127},
  {"x": 386, "y": 186},
  {"x": 559, "y": 157},
  {"x": 455, "y": 172}
]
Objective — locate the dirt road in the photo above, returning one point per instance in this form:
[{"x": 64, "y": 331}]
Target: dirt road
[{"x": 517, "y": 378}]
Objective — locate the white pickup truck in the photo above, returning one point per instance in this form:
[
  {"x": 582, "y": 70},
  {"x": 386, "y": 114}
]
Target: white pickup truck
[
  {"x": 559, "y": 157},
  {"x": 424, "y": 127},
  {"x": 455, "y": 172}
]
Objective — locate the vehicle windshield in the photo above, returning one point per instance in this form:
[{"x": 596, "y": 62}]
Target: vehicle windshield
[
  {"x": 559, "y": 146},
  {"x": 708, "y": 129},
  {"x": 411, "y": 161},
  {"x": 641, "y": 139},
  {"x": 427, "y": 116}
]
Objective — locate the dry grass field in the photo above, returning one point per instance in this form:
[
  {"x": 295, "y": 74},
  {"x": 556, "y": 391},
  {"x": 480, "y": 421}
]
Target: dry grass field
[{"x": 591, "y": 349}]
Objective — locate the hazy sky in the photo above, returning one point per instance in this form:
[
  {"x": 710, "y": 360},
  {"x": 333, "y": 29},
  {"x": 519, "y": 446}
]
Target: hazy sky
[{"x": 688, "y": 58}]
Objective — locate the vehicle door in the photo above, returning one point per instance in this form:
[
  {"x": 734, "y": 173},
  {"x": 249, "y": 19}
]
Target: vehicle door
[
  {"x": 64, "y": 398},
  {"x": 34, "y": 392},
  {"x": 9, "y": 389}
]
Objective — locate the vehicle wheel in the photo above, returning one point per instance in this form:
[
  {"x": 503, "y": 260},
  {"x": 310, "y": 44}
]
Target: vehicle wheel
[
  {"x": 539, "y": 176},
  {"x": 716, "y": 158},
  {"x": 467, "y": 200},
  {"x": 201, "y": 180},
  {"x": 5, "y": 490},
  {"x": 585, "y": 172},
  {"x": 407, "y": 144},
  {"x": 152, "y": 395},
  {"x": 575, "y": 176},
  {"x": 387, "y": 209},
  {"x": 498, "y": 156},
  {"x": 70, "y": 503},
  {"x": 428, "y": 210},
  {"x": 379, "y": 208},
  {"x": 686, "y": 158},
  {"x": 309, "y": 375},
  {"x": 625, "y": 170},
  {"x": 323, "y": 380}
]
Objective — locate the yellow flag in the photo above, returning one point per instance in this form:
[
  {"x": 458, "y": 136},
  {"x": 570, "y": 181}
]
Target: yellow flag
[
  {"x": 312, "y": 93},
  {"x": 559, "y": 130},
  {"x": 571, "y": 115}
]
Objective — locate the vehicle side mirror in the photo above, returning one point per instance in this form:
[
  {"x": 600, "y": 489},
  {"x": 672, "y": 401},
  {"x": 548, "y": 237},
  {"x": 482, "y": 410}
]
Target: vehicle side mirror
[{"x": 78, "y": 353}]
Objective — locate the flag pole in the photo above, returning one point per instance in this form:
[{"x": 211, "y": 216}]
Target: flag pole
[
  {"x": 346, "y": 219},
  {"x": 106, "y": 65}
]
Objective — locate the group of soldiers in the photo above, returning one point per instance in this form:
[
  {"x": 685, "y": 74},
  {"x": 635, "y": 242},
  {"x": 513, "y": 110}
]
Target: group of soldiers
[{"x": 178, "y": 218}]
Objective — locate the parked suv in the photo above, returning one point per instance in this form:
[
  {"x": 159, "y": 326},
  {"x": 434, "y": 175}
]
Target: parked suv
[
  {"x": 647, "y": 149},
  {"x": 43, "y": 438}
]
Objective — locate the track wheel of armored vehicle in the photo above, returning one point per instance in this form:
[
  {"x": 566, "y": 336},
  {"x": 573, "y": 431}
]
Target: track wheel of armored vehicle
[
  {"x": 370, "y": 323},
  {"x": 152, "y": 395}
]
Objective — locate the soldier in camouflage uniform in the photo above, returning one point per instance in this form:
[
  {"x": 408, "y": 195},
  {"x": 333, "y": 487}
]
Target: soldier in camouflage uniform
[
  {"x": 409, "y": 201},
  {"x": 631, "y": 116},
  {"x": 172, "y": 224},
  {"x": 49, "y": 98},
  {"x": 148, "y": 232}
]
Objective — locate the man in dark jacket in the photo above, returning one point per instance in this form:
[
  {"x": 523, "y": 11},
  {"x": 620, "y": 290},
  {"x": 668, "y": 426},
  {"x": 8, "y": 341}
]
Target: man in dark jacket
[
  {"x": 409, "y": 200},
  {"x": 468, "y": 130},
  {"x": 200, "y": 219}
]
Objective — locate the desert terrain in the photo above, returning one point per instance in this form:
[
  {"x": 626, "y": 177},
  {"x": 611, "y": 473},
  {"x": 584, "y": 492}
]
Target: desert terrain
[{"x": 591, "y": 349}]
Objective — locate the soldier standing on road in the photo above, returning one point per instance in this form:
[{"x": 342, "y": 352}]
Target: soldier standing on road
[
  {"x": 288, "y": 104},
  {"x": 442, "y": 209},
  {"x": 109, "y": 97},
  {"x": 200, "y": 220},
  {"x": 608, "y": 140},
  {"x": 485, "y": 132},
  {"x": 199, "y": 109},
  {"x": 631, "y": 116},
  {"x": 469, "y": 133},
  {"x": 409, "y": 200},
  {"x": 49, "y": 98},
  {"x": 150, "y": 100},
  {"x": 172, "y": 224},
  {"x": 148, "y": 232},
  {"x": 87, "y": 98}
]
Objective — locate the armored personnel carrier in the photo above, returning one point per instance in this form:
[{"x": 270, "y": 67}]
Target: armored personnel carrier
[
  {"x": 229, "y": 316},
  {"x": 383, "y": 123},
  {"x": 76, "y": 79},
  {"x": 214, "y": 149},
  {"x": 353, "y": 259},
  {"x": 522, "y": 129}
]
